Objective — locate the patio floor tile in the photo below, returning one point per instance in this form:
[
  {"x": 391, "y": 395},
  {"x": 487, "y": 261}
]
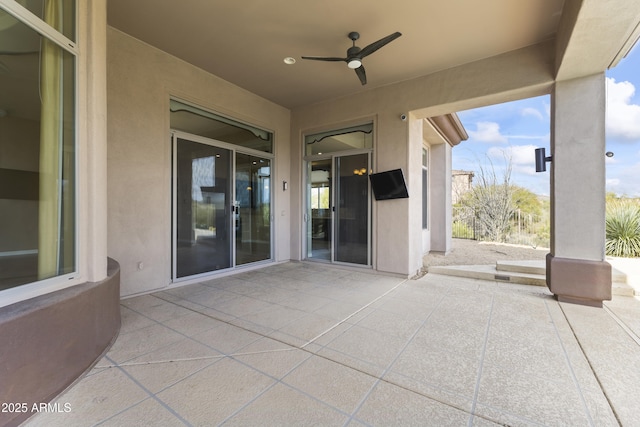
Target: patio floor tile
[
  {"x": 151, "y": 411},
  {"x": 283, "y": 406},
  {"x": 311, "y": 344},
  {"x": 333, "y": 383},
  {"x": 216, "y": 392},
  {"x": 391, "y": 405},
  {"x": 94, "y": 399}
]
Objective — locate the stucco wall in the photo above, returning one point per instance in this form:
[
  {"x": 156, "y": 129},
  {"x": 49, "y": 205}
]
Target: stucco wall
[
  {"x": 140, "y": 81},
  {"x": 397, "y": 226}
]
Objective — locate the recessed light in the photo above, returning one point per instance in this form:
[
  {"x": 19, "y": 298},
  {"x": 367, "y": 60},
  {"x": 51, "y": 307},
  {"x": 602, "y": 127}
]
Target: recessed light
[{"x": 289, "y": 60}]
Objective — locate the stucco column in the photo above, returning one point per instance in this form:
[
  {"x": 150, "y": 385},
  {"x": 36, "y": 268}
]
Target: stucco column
[
  {"x": 576, "y": 267},
  {"x": 92, "y": 136},
  {"x": 440, "y": 197},
  {"x": 413, "y": 175}
]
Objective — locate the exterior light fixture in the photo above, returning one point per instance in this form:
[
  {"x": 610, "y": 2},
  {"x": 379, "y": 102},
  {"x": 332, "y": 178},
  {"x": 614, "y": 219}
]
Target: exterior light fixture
[
  {"x": 289, "y": 60},
  {"x": 541, "y": 160}
]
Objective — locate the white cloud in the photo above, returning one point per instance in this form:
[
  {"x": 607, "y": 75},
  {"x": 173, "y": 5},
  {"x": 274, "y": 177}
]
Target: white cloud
[
  {"x": 519, "y": 154},
  {"x": 488, "y": 132},
  {"x": 625, "y": 181},
  {"x": 623, "y": 117},
  {"x": 544, "y": 138},
  {"x": 532, "y": 112},
  {"x": 522, "y": 157}
]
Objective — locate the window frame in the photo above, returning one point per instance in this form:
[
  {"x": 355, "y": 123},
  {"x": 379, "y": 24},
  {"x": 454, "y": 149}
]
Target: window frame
[{"x": 41, "y": 287}]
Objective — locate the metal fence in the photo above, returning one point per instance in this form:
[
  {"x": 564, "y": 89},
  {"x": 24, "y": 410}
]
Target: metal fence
[{"x": 524, "y": 229}]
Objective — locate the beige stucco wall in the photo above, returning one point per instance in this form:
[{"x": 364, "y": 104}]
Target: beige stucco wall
[
  {"x": 140, "y": 81},
  {"x": 578, "y": 193},
  {"x": 439, "y": 182},
  {"x": 397, "y": 224}
]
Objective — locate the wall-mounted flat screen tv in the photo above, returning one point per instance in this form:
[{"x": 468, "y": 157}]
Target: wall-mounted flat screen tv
[{"x": 389, "y": 185}]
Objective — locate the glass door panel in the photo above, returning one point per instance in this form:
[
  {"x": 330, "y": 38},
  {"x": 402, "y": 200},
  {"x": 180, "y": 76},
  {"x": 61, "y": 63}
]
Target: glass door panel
[
  {"x": 352, "y": 209},
  {"x": 252, "y": 216},
  {"x": 319, "y": 215},
  {"x": 203, "y": 208}
]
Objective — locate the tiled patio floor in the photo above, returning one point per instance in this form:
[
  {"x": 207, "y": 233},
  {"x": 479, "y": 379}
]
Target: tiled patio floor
[{"x": 308, "y": 344}]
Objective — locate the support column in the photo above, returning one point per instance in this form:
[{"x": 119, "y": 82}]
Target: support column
[
  {"x": 92, "y": 81},
  {"x": 576, "y": 268},
  {"x": 440, "y": 198}
]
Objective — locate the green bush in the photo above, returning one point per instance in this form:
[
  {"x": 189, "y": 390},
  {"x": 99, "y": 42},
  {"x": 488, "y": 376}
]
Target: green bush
[
  {"x": 461, "y": 230},
  {"x": 623, "y": 228}
]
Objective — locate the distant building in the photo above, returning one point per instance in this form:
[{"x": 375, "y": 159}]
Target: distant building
[{"x": 461, "y": 183}]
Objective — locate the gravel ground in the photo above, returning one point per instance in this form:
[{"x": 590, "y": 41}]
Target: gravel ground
[{"x": 472, "y": 252}]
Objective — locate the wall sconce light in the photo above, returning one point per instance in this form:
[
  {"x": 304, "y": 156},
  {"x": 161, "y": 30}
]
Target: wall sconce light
[
  {"x": 360, "y": 172},
  {"x": 285, "y": 185},
  {"x": 541, "y": 160}
]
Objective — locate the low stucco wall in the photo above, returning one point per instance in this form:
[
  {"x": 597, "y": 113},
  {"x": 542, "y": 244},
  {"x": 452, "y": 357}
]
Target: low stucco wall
[{"x": 47, "y": 342}]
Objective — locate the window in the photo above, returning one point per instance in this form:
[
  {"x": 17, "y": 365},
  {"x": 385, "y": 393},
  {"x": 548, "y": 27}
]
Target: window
[
  {"x": 37, "y": 143},
  {"x": 425, "y": 188},
  {"x": 194, "y": 120},
  {"x": 320, "y": 197},
  {"x": 353, "y": 138}
]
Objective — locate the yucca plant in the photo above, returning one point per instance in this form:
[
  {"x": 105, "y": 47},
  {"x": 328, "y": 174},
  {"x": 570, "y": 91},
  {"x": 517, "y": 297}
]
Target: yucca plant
[{"x": 623, "y": 228}]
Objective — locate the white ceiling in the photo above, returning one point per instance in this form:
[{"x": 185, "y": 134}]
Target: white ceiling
[{"x": 245, "y": 42}]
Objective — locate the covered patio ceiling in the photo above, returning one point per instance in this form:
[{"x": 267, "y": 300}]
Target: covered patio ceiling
[{"x": 246, "y": 43}]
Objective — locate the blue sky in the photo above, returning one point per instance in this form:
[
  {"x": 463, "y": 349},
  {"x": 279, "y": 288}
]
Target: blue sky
[{"x": 515, "y": 129}]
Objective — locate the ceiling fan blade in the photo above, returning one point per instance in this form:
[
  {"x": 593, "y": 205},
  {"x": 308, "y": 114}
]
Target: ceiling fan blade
[
  {"x": 362, "y": 75},
  {"x": 319, "y": 58},
  {"x": 377, "y": 45}
]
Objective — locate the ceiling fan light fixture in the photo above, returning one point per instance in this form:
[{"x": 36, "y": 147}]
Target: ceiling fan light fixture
[
  {"x": 355, "y": 54},
  {"x": 354, "y": 63}
]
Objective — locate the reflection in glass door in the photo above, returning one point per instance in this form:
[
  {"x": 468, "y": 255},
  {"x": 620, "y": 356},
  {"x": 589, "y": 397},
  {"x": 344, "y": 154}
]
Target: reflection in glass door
[
  {"x": 202, "y": 208},
  {"x": 252, "y": 220},
  {"x": 338, "y": 216}
]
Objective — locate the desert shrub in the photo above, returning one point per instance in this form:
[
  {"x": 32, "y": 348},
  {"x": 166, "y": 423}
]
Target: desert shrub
[
  {"x": 461, "y": 229},
  {"x": 623, "y": 228}
]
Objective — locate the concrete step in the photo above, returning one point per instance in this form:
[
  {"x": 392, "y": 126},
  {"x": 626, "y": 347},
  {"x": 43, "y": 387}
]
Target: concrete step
[
  {"x": 528, "y": 267},
  {"x": 519, "y": 272},
  {"x": 620, "y": 288},
  {"x": 489, "y": 272}
]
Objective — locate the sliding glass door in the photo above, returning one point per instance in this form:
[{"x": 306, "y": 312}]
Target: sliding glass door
[
  {"x": 338, "y": 209},
  {"x": 222, "y": 207},
  {"x": 319, "y": 209},
  {"x": 202, "y": 208},
  {"x": 352, "y": 209},
  {"x": 252, "y": 208}
]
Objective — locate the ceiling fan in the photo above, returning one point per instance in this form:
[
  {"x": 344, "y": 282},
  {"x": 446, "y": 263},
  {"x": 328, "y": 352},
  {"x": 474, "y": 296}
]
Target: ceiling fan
[{"x": 355, "y": 54}]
